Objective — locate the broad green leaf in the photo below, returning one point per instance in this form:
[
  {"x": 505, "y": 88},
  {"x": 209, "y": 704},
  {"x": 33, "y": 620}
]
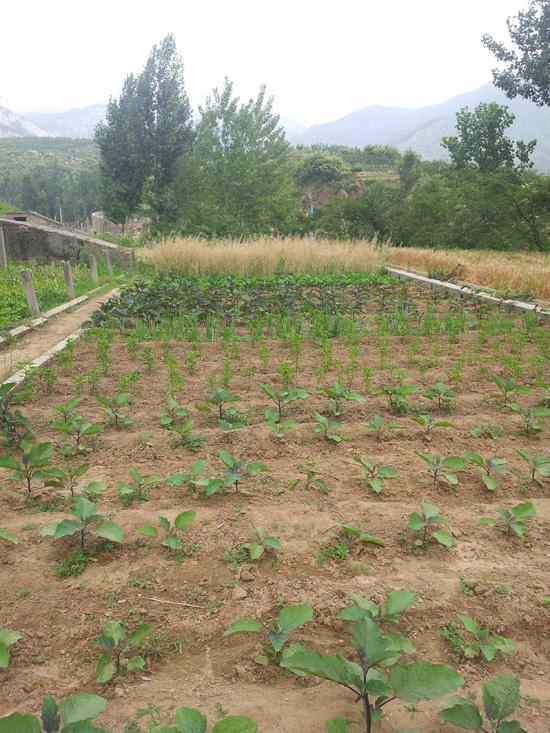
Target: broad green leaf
[
  {"x": 6, "y": 535},
  {"x": 416, "y": 523},
  {"x": 138, "y": 636},
  {"x": 469, "y": 624},
  {"x": 256, "y": 550},
  {"x": 104, "y": 670},
  {"x": 500, "y": 696},
  {"x": 490, "y": 482},
  {"x": 453, "y": 462},
  {"x": 474, "y": 457},
  {"x": 444, "y": 538},
  {"x": 185, "y": 519},
  {"x": 398, "y": 600},
  {"x": 50, "y": 714},
  {"x": 81, "y": 707},
  {"x": 115, "y": 631},
  {"x": 488, "y": 651},
  {"x": 256, "y": 467},
  {"x": 489, "y": 521},
  {"x": 164, "y": 523},
  {"x": 291, "y": 618},
  {"x": 190, "y": 720},
  {"x": 110, "y": 531},
  {"x": 272, "y": 542},
  {"x": 83, "y": 508},
  {"x": 524, "y": 511},
  {"x": 9, "y": 462},
  {"x": 377, "y": 485},
  {"x": 369, "y": 641},
  {"x": 428, "y": 510},
  {"x": 461, "y": 712},
  {"x": 244, "y": 625},
  {"x": 511, "y": 726},
  {"x": 226, "y": 458},
  {"x": 235, "y": 724},
  {"x": 423, "y": 681},
  {"x": 336, "y": 725},
  {"x": 11, "y": 637},
  {"x": 338, "y": 668},
  {"x": 17, "y": 723},
  {"x": 4, "y": 655},
  {"x": 67, "y": 528},
  {"x": 148, "y": 531},
  {"x": 135, "y": 663}
]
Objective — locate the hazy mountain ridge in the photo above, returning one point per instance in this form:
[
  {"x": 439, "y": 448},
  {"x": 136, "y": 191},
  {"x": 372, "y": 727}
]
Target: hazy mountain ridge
[{"x": 12, "y": 125}]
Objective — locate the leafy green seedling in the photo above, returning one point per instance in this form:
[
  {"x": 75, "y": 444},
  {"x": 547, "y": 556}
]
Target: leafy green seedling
[
  {"x": 338, "y": 396},
  {"x": 282, "y": 397},
  {"x": 531, "y": 417},
  {"x": 191, "y": 720},
  {"x": 194, "y": 480},
  {"x": 324, "y": 425},
  {"x": 439, "y": 466},
  {"x": 113, "y": 408},
  {"x": 8, "y": 536},
  {"x": 507, "y": 388},
  {"x": 500, "y": 697},
  {"x": 359, "y": 534},
  {"x": 272, "y": 418},
  {"x": 171, "y": 538},
  {"x": 396, "y": 602},
  {"x": 376, "y": 475},
  {"x": 7, "y": 638},
  {"x": 236, "y": 470},
  {"x": 220, "y": 398},
  {"x": 85, "y": 513},
  {"x": 68, "y": 479},
  {"x": 409, "y": 682},
  {"x": 229, "y": 427},
  {"x": 172, "y": 413},
  {"x": 428, "y": 423},
  {"x": 311, "y": 479},
  {"x": 421, "y": 525},
  {"x": 377, "y": 426},
  {"x": 14, "y": 426},
  {"x": 546, "y": 387},
  {"x": 486, "y": 466},
  {"x": 65, "y": 410},
  {"x": 482, "y": 645},
  {"x": 78, "y": 428},
  {"x": 34, "y": 465},
  {"x": 76, "y": 712},
  {"x": 397, "y": 397},
  {"x": 274, "y": 640},
  {"x": 493, "y": 431},
  {"x": 440, "y": 393},
  {"x": 537, "y": 464},
  {"x": 113, "y": 641},
  {"x": 512, "y": 519},
  {"x": 257, "y": 547},
  {"x": 141, "y": 489}
]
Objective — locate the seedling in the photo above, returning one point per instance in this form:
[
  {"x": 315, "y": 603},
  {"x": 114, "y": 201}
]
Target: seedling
[
  {"x": 34, "y": 466},
  {"x": 310, "y": 479},
  {"x": 172, "y": 414},
  {"x": 408, "y": 682},
  {"x": 482, "y": 646},
  {"x": 283, "y": 397},
  {"x": 85, "y": 513},
  {"x": 377, "y": 426},
  {"x": 113, "y": 641},
  {"x": 257, "y": 547},
  {"x": 439, "y": 466},
  {"x": 171, "y": 538},
  {"x": 65, "y": 410},
  {"x": 507, "y": 388},
  {"x": 7, "y": 638},
  {"x": 78, "y": 428},
  {"x": 375, "y": 475},
  {"x": 220, "y": 398},
  {"x": 272, "y": 418},
  {"x": 68, "y": 479},
  {"x": 493, "y": 431},
  {"x": 537, "y": 464},
  {"x": 500, "y": 697},
  {"x": 512, "y": 519},
  {"x": 428, "y": 423},
  {"x": 193, "y": 481},
  {"x": 324, "y": 425},
  {"x": 531, "y": 417},
  {"x": 76, "y": 712},
  {"x": 113, "y": 409},
  {"x": 274, "y": 640},
  {"x": 14, "y": 426},
  {"x": 486, "y": 466},
  {"x": 421, "y": 526},
  {"x": 440, "y": 393},
  {"x": 397, "y": 397},
  {"x": 141, "y": 489},
  {"x": 396, "y": 602},
  {"x": 359, "y": 534},
  {"x": 338, "y": 396},
  {"x": 236, "y": 470},
  {"x": 8, "y": 536},
  {"x": 190, "y": 720}
]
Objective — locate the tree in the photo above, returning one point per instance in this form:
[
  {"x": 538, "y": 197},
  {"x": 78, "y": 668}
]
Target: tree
[
  {"x": 482, "y": 142},
  {"x": 146, "y": 131},
  {"x": 237, "y": 181},
  {"x": 527, "y": 71}
]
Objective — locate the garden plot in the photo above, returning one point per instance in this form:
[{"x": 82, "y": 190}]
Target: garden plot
[{"x": 389, "y": 456}]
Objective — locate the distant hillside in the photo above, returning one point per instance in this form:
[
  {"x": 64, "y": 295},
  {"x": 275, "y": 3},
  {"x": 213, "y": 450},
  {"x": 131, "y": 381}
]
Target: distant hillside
[
  {"x": 12, "y": 125},
  {"x": 422, "y": 129},
  {"x": 78, "y": 122}
]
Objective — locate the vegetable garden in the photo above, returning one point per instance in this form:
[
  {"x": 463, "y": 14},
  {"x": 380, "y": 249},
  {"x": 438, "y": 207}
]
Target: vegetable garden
[{"x": 234, "y": 493}]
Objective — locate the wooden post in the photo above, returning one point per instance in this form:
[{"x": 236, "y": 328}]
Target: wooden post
[
  {"x": 3, "y": 261},
  {"x": 68, "y": 275},
  {"x": 108, "y": 262},
  {"x": 30, "y": 293},
  {"x": 93, "y": 268}
]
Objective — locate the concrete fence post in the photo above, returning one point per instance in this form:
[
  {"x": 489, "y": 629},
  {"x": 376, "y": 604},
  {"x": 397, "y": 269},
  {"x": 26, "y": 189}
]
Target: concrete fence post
[
  {"x": 68, "y": 275},
  {"x": 30, "y": 293},
  {"x": 3, "y": 260},
  {"x": 108, "y": 262},
  {"x": 93, "y": 268}
]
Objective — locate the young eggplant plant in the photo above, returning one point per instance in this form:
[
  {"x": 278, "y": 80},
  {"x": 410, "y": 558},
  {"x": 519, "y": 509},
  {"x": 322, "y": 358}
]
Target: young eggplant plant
[
  {"x": 507, "y": 387},
  {"x": 537, "y": 464},
  {"x": 113, "y": 408},
  {"x": 377, "y": 426},
  {"x": 257, "y": 547},
  {"x": 323, "y": 425},
  {"x": 283, "y": 397},
  {"x": 486, "y": 466},
  {"x": 338, "y": 396},
  {"x": 274, "y": 640},
  {"x": 236, "y": 470},
  {"x": 141, "y": 489},
  {"x": 375, "y": 475},
  {"x": 85, "y": 513},
  {"x": 33, "y": 467},
  {"x": 191, "y": 720},
  {"x": 409, "y": 682},
  {"x": 481, "y": 646},
  {"x": 397, "y": 397},
  {"x": 512, "y": 519},
  {"x": 76, "y": 712},
  {"x": 171, "y": 539},
  {"x": 439, "y": 466},
  {"x": 272, "y": 419},
  {"x": 112, "y": 640},
  {"x": 7, "y": 638},
  {"x": 533, "y": 417},
  {"x": 428, "y": 423},
  {"x": 421, "y": 525},
  {"x": 220, "y": 398},
  {"x": 195, "y": 481},
  {"x": 441, "y": 394}
]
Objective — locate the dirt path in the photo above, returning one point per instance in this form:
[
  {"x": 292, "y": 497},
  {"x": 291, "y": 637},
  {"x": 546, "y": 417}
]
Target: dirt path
[{"x": 38, "y": 341}]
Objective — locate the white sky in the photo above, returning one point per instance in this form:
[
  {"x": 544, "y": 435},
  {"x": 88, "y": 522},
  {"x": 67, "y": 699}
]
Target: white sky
[{"x": 319, "y": 62}]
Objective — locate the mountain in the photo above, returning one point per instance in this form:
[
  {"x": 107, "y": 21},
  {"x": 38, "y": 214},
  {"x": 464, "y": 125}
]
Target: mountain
[
  {"x": 12, "y": 125},
  {"x": 78, "y": 122},
  {"x": 421, "y": 129}
]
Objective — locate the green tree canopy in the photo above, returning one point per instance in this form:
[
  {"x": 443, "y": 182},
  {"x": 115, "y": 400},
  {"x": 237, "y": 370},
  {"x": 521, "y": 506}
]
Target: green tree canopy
[
  {"x": 481, "y": 142},
  {"x": 527, "y": 70}
]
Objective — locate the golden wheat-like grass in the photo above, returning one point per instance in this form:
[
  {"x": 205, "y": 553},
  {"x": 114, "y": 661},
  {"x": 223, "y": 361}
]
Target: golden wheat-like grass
[{"x": 518, "y": 272}]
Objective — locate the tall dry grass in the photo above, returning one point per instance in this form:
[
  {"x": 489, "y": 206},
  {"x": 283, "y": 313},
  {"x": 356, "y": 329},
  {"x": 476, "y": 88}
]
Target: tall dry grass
[{"x": 517, "y": 272}]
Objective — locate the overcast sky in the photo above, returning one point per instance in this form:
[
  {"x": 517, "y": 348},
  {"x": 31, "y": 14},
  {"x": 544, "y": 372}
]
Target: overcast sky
[{"x": 320, "y": 62}]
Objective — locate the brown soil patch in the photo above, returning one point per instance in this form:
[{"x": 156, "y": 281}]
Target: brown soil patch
[{"x": 191, "y": 604}]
